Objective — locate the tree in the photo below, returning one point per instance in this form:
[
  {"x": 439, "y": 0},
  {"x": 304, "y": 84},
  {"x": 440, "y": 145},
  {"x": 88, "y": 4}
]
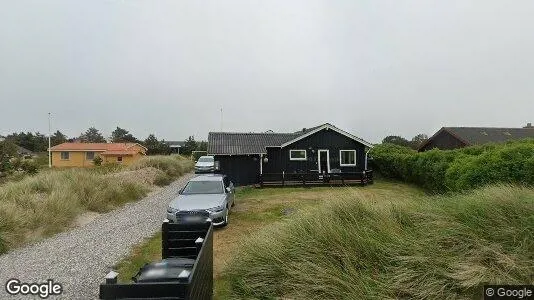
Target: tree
[
  {"x": 58, "y": 138},
  {"x": 34, "y": 142},
  {"x": 202, "y": 146},
  {"x": 8, "y": 150},
  {"x": 155, "y": 146},
  {"x": 397, "y": 140},
  {"x": 121, "y": 135},
  {"x": 418, "y": 140},
  {"x": 189, "y": 146},
  {"x": 92, "y": 135}
]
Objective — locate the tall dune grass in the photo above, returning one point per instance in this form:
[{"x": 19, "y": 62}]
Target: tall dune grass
[
  {"x": 173, "y": 165},
  {"x": 44, "y": 204},
  {"x": 434, "y": 247}
]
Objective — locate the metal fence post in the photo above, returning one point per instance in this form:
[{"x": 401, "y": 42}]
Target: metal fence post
[{"x": 164, "y": 239}]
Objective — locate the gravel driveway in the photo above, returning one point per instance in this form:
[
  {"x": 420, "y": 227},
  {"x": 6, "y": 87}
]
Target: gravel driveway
[{"x": 80, "y": 258}]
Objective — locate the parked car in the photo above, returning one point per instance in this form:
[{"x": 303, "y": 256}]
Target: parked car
[
  {"x": 209, "y": 194},
  {"x": 205, "y": 164}
]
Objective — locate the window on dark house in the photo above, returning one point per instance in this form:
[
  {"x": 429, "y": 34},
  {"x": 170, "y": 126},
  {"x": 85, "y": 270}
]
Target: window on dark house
[
  {"x": 297, "y": 154},
  {"x": 347, "y": 158}
]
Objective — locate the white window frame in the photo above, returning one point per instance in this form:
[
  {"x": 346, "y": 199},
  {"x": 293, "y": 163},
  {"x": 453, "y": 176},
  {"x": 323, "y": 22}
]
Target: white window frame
[
  {"x": 61, "y": 155},
  {"x": 298, "y": 158},
  {"x": 341, "y": 164}
]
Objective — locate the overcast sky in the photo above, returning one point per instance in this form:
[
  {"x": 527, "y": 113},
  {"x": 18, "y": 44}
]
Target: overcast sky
[{"x": 373, "y": 68}]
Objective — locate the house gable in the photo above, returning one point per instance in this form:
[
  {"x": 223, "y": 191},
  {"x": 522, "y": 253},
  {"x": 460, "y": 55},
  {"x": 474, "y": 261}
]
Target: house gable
[
  {"x": 325, "y": 139},
  {"x": 444, "y": 140},
  {"x": 327, "y": 126}
]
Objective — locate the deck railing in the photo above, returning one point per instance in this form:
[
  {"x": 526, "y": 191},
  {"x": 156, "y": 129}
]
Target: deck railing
[
  {"x": 193, "y": 241},
  {"x": 314, "y": 178}
]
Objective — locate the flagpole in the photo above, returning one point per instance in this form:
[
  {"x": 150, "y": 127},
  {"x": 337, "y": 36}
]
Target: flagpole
[{"x": 49, "y": 143}]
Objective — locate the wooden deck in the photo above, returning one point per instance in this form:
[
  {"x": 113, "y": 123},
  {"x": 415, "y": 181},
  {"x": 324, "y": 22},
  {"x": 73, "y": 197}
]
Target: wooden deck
[{"x": 315, "y": 179}]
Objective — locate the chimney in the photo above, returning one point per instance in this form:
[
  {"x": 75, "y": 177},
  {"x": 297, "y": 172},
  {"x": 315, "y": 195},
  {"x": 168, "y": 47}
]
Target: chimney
[
  {"x": 529, "y": 125},
  {"x": 304, "y": 129}
]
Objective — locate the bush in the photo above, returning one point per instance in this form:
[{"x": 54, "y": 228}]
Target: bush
[
  {"x": 162, "y": 180},
  {"x": 435, "y": 247},
  {"x": 97, "y": 160},
  {"x": 457, "y": 170},
  {"x": 173, "y": 165}
]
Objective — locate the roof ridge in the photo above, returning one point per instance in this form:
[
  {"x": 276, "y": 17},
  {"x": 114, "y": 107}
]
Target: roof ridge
[
  {"x": 227, "y": 132},
  {"x": 475, "y": 127}
]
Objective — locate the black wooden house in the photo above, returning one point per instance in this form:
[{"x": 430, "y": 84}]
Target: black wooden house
[{"x": 320, "y": 154}]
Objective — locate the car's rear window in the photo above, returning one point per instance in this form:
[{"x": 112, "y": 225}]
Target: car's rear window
[
  {"x": 205, "y": 159},
  {"x": 203, "y": 187}
]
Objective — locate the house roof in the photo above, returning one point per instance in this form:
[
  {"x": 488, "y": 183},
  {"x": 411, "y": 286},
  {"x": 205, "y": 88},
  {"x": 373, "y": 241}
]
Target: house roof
[
  {"x": 235, "y": 143},
  {"x": 175, "y": 144},
  {"x": 122, "y": 147},
  {"x": 22, "y": 150},
  {"x": 119, "y": 152},
  {"x": 482, "y": 135}
]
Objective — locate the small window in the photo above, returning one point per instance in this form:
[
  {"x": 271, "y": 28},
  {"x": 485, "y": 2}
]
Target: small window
[
  {"x": 119, "y": 158},
  {"x": 89, "y": 155},
  {"x": 297, "y": 154},
  {"x": 65, "y": 155},
  {"x": 347, "y": 158}
]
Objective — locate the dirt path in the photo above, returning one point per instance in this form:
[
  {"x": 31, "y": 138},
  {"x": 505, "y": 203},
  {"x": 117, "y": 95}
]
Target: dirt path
[{"x": 80, "y": 258}]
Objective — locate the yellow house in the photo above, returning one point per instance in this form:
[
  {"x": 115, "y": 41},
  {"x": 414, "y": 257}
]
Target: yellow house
[{"x": 83, "y": 154}]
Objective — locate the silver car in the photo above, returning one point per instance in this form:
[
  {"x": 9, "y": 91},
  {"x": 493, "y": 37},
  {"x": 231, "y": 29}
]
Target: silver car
[
  {"x": 204, "y": 195},
  {"x": 205, "y": 164}
]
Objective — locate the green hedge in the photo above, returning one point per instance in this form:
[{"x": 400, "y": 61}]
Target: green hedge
[{"x": 457, "y": 170}]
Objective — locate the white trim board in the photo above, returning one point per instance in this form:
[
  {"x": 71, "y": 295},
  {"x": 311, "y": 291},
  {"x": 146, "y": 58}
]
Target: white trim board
[{"x": 331, "y": 127}]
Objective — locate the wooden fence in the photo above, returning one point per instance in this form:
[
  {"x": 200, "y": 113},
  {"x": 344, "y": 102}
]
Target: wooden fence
[
  {"x": 310, "y": 179},
  {"x": 188, "y": 241}
]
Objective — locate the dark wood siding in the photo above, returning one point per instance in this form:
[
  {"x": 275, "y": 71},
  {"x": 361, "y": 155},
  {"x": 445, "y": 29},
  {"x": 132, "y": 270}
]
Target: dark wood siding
[
  {"x": 278, "y": 158},
  {"x": 444, "y": 141},
  {"x": 241, "y": 169}
]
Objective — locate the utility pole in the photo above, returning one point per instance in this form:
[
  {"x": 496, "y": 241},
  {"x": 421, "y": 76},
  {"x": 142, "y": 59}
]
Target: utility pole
[{"x": 49, "y": 143}]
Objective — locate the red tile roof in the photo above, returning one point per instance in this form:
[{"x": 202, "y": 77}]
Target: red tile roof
[
  {"x": 107, "y": 147},
  {"x": 119, "y": 153}
]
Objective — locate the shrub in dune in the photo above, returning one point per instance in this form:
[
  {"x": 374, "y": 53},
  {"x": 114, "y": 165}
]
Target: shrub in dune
[
  {"x": 172, "y": 165},
  {"x": 435, "y": 247}
]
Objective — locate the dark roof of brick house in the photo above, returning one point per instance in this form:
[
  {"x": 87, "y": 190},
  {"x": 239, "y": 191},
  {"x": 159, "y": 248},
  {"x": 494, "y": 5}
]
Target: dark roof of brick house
[{"x": 481, "y": 135}]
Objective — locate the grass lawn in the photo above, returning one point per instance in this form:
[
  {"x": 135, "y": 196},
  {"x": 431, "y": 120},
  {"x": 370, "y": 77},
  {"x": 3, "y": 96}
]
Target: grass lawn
[{"x": 258, "y": 208}]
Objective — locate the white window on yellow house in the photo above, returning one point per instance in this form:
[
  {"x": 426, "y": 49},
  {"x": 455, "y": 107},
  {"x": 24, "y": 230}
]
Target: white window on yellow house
[
  {"x": 65, "y": 155},
  {"x": 90, "y": 155},
  {"x": 119, "y": 158}
]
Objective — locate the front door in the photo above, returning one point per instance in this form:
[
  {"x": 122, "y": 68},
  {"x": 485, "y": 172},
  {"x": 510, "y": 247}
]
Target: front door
[{"x": 323, "y": 161}]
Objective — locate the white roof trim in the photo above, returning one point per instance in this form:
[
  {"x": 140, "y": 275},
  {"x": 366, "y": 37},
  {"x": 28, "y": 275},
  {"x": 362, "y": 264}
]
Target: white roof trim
[{"x": 328, "y": 126}]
